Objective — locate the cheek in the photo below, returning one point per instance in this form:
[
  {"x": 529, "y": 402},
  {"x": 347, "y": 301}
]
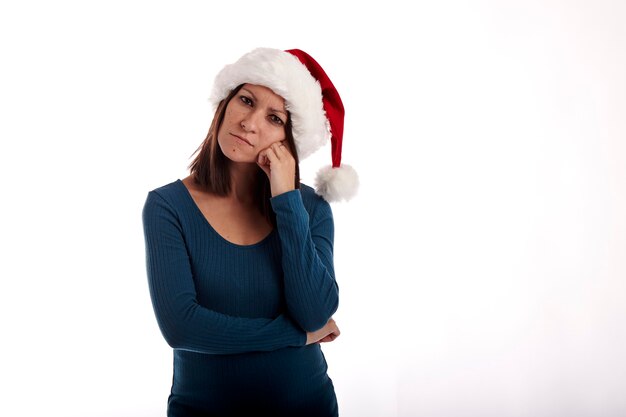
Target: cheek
[
  {"x": 278, "y": 135},
  {"x": 231, "y": 115},
  {"x": 222, "y": 141},
  {"x": 228, "y": 115}
]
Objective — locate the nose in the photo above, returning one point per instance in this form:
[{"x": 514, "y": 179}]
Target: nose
[{"x": 250, "y": 122}]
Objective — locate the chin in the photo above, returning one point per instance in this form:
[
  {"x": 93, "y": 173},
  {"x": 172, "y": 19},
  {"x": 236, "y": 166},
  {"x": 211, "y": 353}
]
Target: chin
[
  {"x": 238, "y": 156},
  {"x": 232, "y": 152}
]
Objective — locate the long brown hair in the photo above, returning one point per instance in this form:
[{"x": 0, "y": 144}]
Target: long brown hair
[{"x": 210, "y": 169}]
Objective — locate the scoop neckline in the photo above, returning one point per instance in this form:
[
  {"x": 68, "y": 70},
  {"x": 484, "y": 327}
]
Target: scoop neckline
[{"x": 222, "y": 238}]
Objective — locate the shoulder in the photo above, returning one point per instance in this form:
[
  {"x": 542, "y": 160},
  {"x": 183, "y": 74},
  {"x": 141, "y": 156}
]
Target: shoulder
[
  {"x": 314, "y": 203},
  {"x": 170, "y": 192},
  {"x": 167, "y": 190},
  {"x": 165, "y": 196},
  {"x": 310, "y": 197}
]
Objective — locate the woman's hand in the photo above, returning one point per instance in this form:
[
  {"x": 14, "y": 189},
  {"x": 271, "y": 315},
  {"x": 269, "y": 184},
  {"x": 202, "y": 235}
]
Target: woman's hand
[
  {"x": 280, "y": 167},
  {"x": 328, "y": 333}
]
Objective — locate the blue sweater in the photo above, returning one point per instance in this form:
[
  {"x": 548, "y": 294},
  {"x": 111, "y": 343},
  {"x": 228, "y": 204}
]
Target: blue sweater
[{"x": 237, "y": 315}]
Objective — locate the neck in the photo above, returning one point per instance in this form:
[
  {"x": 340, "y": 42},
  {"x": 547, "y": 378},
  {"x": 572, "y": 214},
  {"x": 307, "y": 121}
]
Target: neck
[{"x": 242, "y": 182}]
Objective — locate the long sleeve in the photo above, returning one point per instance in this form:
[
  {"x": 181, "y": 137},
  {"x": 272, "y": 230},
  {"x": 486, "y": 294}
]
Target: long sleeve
[
  {"x": 183, "y": 322},
  {"x": 311, "y": 291}
]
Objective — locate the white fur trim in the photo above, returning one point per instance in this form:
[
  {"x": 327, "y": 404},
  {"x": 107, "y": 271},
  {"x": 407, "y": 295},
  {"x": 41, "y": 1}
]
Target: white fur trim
[
  {"x": 336, "y": 184},
  {"x": 286, "y": 76}
]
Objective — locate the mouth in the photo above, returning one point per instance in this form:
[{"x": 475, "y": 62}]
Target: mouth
[{"x": 239, "y": 138}]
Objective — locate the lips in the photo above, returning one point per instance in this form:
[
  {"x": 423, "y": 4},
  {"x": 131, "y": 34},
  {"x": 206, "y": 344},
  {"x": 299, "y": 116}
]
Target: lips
[{"x": 241, "y": 139}]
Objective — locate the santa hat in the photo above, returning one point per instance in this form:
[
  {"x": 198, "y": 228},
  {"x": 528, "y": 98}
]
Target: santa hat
[{"x": 311, "y": 99}]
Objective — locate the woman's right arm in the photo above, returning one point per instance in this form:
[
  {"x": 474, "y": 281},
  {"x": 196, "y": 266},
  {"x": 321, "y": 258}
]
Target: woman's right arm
[{"x": 184, "y": 323}]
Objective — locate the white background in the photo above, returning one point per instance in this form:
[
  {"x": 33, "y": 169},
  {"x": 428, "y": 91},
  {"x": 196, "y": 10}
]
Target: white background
[{"x": 482, "y": 266}]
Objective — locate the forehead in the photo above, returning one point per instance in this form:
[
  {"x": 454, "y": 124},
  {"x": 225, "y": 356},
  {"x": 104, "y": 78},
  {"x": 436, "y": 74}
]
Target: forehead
[{"x": 261, "y": 92}]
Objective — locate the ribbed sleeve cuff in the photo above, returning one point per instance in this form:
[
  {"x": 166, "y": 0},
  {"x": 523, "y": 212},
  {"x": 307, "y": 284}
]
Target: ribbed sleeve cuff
[{"x": 283, "y": 198}]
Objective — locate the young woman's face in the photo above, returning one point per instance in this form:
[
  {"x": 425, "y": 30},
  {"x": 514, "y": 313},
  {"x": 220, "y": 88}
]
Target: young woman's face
[{"x": 255, "y": 118}]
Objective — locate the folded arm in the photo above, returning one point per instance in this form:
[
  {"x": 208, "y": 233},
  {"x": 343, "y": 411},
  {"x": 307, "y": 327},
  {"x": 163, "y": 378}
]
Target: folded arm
[{"x": 183, "y": 322}]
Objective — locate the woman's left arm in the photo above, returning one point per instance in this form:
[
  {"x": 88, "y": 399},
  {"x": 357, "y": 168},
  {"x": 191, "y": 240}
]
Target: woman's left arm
[{"x": 311, "y": 292}]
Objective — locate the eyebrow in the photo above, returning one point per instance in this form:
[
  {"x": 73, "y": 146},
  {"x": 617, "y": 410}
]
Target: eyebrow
[{"x": 254, "y": 97}]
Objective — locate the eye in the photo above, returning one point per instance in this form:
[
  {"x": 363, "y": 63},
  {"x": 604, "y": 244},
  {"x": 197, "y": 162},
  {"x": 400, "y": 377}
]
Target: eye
[
  {"x": 246, "y": 100},
  {"x": 276, "y": 120}
]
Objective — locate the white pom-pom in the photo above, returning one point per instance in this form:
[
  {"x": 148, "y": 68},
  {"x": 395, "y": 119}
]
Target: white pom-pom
[{"x": 336, "y": 184}]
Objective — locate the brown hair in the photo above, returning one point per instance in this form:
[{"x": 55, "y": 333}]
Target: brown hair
[{"x": 210, "y": 168}]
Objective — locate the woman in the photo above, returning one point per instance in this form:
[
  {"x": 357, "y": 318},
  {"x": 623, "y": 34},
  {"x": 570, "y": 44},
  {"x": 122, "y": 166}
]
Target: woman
[{"x": 240, "y": 254}]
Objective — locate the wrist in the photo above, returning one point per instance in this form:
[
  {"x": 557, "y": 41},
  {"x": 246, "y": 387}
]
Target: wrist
[{"x": 277, "y": 192}]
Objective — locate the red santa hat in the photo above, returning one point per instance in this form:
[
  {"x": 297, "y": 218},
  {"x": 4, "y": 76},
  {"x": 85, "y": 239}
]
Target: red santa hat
[{"x": 313, "y": 102}]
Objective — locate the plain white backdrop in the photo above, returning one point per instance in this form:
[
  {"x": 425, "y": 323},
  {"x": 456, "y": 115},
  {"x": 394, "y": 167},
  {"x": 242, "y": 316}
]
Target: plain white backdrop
[{"x": 482, "y": 268}]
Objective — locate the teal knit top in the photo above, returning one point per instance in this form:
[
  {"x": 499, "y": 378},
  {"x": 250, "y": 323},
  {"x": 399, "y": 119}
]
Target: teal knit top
[{"x": 237, "y": 315}]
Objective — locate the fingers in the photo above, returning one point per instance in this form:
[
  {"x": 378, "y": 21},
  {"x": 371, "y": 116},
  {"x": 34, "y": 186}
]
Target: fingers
[
  {"x": 277, "y": 151},
  {"x": 328, "y": 338},
  {"x": 263, "y": 159},
  {"x": 278, "y": 163},
  {"x": 328, "y": 333},
  {"x": 280, "y": 148},
  {"x": 334, "y": 332},
  {"x": 267, "y": 157},
  {"x": 280, "y": 151}
]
